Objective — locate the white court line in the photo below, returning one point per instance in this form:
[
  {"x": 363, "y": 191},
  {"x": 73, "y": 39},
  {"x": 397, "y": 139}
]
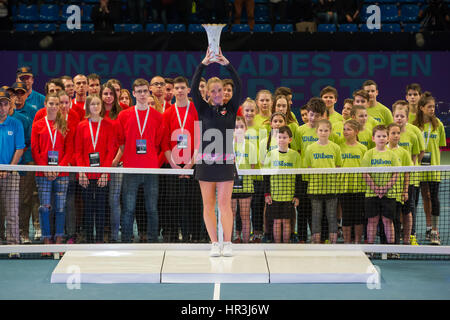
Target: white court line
[{"x": 216, "y": 291}]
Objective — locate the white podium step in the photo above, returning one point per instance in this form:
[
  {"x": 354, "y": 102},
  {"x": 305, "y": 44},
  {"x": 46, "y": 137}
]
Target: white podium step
[
  {"x": 127, "y": 266},
  {"x": 320, "y": 267},
  {"x": 199, "y": 267},
  {"x": 195, "y": 266}
]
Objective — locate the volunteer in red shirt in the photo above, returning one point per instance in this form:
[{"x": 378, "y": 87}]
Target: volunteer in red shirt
[
  {"x": 69, "y": 87},
  {"x": 157, "y": 88},
  {"x": 67, "y": 111},
  {"x": 74, "y": 206},
  {"x": 185, "y": 211},
  {"x": 81, "y": 89},
  {"x": 140, "y": 138},
  {"x": 168, "y": 94},
  {"x": 112, "y": 110},
  {"x": 125, "y": 97},
  {"x": 118, "y": 88},
  {"x": 94, "y": 82},
  {"x": 94, "y": 147},
  {"x": 52, "y": 145}
]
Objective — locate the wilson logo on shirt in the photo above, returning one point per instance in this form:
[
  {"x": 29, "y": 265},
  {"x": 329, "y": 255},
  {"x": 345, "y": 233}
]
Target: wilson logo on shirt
[
  {"x": 309, "y": 139},
  {"x": 350, "y": 156},
  {"x": 432, "y": 136},
  {"x": 241, "y": 155},
  {"x": 375, "y": 162},
  {"x": 403, "y": 144},
  {"x": 281, "y": 163},
  {"x": 322, "y": 156}
]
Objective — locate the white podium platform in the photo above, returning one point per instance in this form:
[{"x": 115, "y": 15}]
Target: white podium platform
[
  {"x": 199, "y": 267},
  {"x": 124, "y": 266},
  {"x": 320, "y": 267},
  {"x": 195, "y": 266}
]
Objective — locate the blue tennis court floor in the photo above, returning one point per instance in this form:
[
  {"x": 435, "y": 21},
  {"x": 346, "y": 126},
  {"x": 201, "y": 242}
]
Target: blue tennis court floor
[{"x": 400, "y": 280}]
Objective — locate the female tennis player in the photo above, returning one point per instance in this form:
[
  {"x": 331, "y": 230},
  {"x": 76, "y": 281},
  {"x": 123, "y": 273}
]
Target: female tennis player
[{"x": 215, "y": 169}]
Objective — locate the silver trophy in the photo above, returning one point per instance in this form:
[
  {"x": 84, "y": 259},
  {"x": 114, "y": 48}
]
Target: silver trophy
[{"x": 213, "y": 31}]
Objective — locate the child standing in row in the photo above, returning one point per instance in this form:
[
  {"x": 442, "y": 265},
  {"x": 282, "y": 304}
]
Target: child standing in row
[
  {"x": 359, "y": 113},
  {"x": 329, "y": 96},
  {"x": 410, "y": 142},
  {"x": 277, "y": 120},
  {"x": 434, "y": 136},
  {"x": 243, "y": 189},
  {"x": 400, "y": 110},
  {"x": 281, "y": 194},
  {"x": 380, "y": 196},
  {"x": 401, "y": 186},
  {"x": 322, "y": 188},
  {"x": 281, "y": 104},
  {"x": 338, "y": 126},
  {"x": 352, "y": 184}
]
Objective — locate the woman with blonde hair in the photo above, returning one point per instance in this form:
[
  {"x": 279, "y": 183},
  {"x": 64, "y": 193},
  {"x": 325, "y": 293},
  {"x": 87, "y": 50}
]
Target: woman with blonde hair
[{"x": 215, "y": 169}]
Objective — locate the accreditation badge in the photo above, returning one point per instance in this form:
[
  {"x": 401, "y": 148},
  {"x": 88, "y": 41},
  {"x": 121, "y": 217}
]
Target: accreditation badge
[
  {"x": 52, "y": 157},
  {"x": 141, "y": 146},
  {"x": 182, "y": 141},
  {"x": 426, "y": 160},
  {"x": 94, "y": 159}
]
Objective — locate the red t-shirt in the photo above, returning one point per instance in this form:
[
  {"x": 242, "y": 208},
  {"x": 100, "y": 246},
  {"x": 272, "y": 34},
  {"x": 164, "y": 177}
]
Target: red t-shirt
[
  {"x": 106, "y": 144},
  {"x": 72, "y": 117},
  {"x": 72, "y": 123},
  {"x": 173, "y": 131},
  {"x": 166, "y": 106},
  {"x": 41, "y": 144},
  {"x": 78, "y": 106},
  {"x": 124, "y": 106},
  {"x": 116, "y": 130},
  {"x": 129, "y": 135}
]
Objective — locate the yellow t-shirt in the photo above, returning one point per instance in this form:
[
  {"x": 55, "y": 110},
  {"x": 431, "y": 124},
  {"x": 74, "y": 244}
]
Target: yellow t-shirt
[
  {"x": 335, "y": 117},
  {"x": 282, "y": 186},
  {"x": 246, "y": 156},
  {"x": 351, "y": 158},
  {"x": 434, "y": 139},
  {"x": 404, "y": 159},
  {"x": 323, "y": 156},
  {"x": 381, "y": 113},
  {"x": 375, "y": 158}
]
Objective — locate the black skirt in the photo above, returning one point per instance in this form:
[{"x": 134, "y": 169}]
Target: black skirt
[
  {"x": 214, "y": 172},
  {"x": 280, "y": 210}
]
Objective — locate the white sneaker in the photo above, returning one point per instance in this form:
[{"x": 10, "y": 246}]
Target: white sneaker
[
  {"x": 435, "y": 239},
  {"x": 37, "y": 234},
  {"x": 24, "y": 239},
  {"x": 227, "y": 250},
  {"x": 215, "y": 250}
]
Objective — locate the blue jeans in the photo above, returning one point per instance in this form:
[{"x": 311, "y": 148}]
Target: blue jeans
[
  {"x": 115, "y": 186},
  {"x": 130, "y": 186},
  {"x": 94, "y": 202},
  {"x": 58, "y": 189}
]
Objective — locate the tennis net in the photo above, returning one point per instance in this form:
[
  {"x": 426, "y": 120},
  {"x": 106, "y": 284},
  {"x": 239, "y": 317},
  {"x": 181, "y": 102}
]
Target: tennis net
[{"x": 396, "y": 210}]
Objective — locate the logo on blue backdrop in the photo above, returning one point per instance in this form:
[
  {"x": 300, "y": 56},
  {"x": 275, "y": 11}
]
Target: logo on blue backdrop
[{"x": 74, "y": 19}]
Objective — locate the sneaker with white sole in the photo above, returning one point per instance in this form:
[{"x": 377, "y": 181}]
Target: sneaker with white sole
[
  {"x": 37, "y": 234},
  {"x": 24, "y": 239},
  {"x": 227, "y": 250},
  {"x": 215, "y": 250},
  {"x": 435, "y": 239}
]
